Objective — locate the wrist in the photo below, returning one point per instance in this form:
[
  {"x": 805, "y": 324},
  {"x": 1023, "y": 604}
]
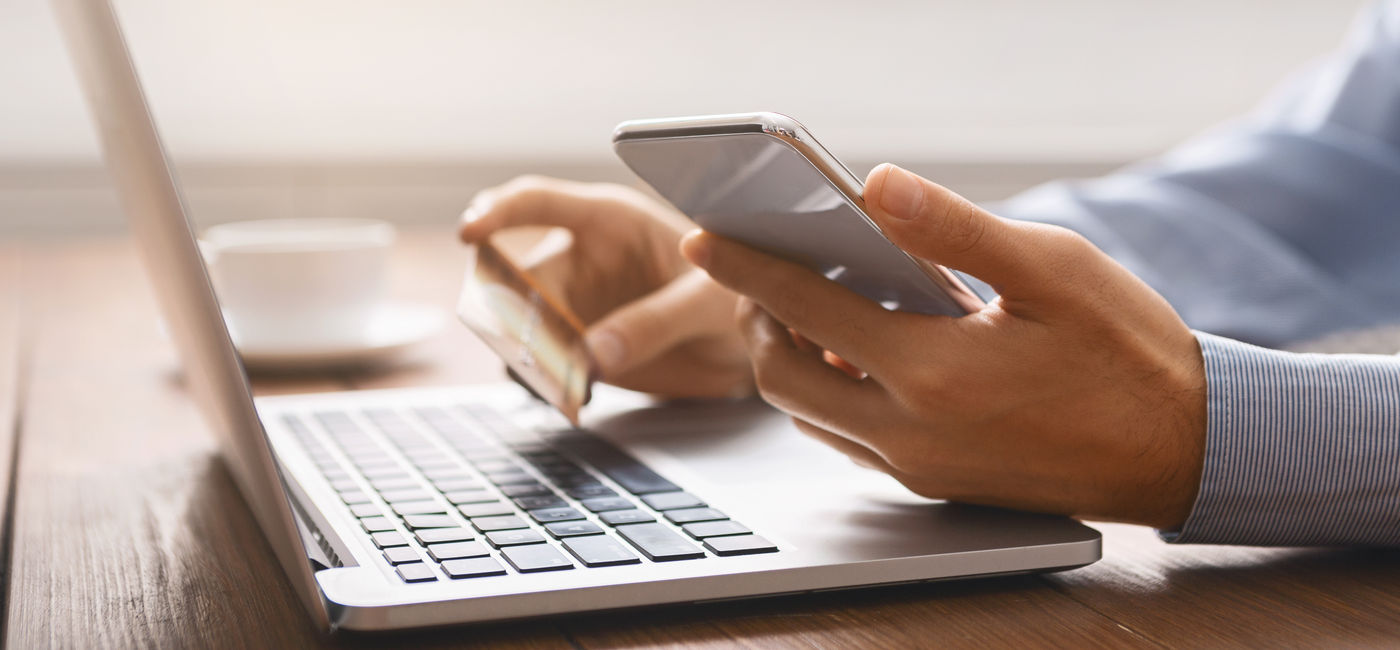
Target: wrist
[{"x": 1186, "y": 431}]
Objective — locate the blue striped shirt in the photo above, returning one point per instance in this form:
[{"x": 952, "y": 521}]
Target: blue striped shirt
[{"x": 1281, "y": 227}]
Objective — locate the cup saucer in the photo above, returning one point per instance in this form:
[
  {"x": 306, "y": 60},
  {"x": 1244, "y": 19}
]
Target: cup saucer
[{"x": 393, "y": 328}]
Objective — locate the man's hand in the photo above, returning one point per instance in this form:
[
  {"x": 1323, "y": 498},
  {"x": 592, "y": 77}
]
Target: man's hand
[
  {"x": 1079, "y": 391},
  {"x": 655, "y": 323}
]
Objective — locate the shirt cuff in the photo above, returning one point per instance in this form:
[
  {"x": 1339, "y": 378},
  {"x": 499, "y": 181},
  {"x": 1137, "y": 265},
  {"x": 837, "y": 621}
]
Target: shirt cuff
[{"x": 1301, "y": 449}]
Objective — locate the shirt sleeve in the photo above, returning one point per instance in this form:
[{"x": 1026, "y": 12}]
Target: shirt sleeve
[
  {"x": 1279, "y": 227},
  {"x": 1301, "y": 449}
]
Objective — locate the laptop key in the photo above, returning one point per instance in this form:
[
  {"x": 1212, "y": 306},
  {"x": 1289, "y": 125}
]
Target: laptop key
[
  {"x": 377, "y": 524},
  {"x": 547, "y": 515},
  {"x": 354, "y": 497},
  {"x": 575, "y": 480},
  {"x": 659, "y": 543},
  {"x": 562, "y": 529},
  {"x": 473, "y": 568},
  {"x": 619, "y": 517},
  {"x": 394, "y": 483},
  {"x": 475, "y": 451},
  {"x": 419, "y": 508},
  {"x": 536, "y": 557},
  {"x": 462, "y": 497},
  {"x": 704, "y": 529},
  {"x": 455, "y": 550},
  {"x": 600, "y": 550},
  {"x": 495, "y": 463},
  {"x": 344, "y": 484},
  {"x": 517, "y": 477},
  {"x": 537, "y": 502},
  {"x": 363, "y": 510},
  {"x": 739, "y": 545},
  {"x": 414, "y": 522},
  {"x": 508, "y": 522},
  {"x": 689, "y": 515},
  {"x": 504, "y": 538},
  {"x": 632, "y": 475},
  {"x": 438, "y": 463},
  {"x": 451, "y": 484},
  {"x": 527, "y": 490},
  {"x": 672, "y": 501},
  {"x": 446, "y": 473},
  {"x": 388, "y": 538},
  {"x": 437, "y": 535},
  {"x": 590, "y": 491},
  {"x": 401, "y": 555},
  {"x": 385, "y": 473},
  {"x": 373, "y": 460},
  {"x": 416, "y": 572},
  {"x": 554, "y": 465},
  {"x": 398, "y": 496},
  {"x": 604, "y": 504},
  {"x": 485, "y": 509}
]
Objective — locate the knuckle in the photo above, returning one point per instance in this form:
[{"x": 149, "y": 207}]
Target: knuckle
[
  {"x": 963, "y": 224},
  {"x": 770, "y": 379},
  {"x": 1064, "y": 239},
  {"x": 745, "y": 311},
  {"x": 529, "y": 189},
  {"x": 527, "y": 182},
  {"x": 767, "y": 382}
]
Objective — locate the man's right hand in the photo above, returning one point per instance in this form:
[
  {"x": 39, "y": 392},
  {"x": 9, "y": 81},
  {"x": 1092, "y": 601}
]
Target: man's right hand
[{"x": 655, "y": 323}]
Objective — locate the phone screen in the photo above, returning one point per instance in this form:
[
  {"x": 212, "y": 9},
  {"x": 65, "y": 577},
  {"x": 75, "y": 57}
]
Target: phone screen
[
  {"x": 758, "y": 189},
  {"x": 540, "y": 340}
]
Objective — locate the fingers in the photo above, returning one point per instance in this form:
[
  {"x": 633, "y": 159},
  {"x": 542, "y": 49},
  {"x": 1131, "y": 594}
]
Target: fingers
[
  {"x": 640, "y": 331},
  {"x": 827, "y": 313},
  {"x": 931, "y": 222},
  {"x": 536, "y": 201},
  {"x": 800, "y": 383}
]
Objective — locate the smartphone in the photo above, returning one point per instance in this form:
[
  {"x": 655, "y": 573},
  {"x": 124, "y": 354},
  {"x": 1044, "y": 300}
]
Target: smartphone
[{"x": 762, "y": 179}]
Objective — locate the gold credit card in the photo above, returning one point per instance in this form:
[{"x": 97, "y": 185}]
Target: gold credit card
[{"x": 538, "y": 337}]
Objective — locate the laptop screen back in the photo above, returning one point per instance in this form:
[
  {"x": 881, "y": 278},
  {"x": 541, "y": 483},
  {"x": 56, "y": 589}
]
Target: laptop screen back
[{"x": 151, "y": 199}]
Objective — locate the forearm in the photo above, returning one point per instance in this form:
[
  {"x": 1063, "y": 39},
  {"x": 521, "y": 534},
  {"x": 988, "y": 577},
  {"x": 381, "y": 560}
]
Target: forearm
[{"x": 1301, "y": 449}]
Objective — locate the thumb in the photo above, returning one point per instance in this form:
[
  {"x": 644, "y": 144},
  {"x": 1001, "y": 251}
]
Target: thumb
[
  {"x": 640, "y": 331},
  {"x": 931, "y": 222}
]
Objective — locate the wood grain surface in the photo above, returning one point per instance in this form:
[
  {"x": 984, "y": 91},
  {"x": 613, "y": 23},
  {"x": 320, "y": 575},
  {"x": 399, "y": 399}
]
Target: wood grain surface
[{"x": 128, "y": 532}]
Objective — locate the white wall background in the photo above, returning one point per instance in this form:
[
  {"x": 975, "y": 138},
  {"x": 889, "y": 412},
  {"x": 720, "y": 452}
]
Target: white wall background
[{"x": 281, "y": 91}]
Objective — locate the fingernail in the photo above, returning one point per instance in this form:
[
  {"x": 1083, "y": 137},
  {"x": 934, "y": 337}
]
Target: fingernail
[
  {"x": 472, "y": 213},
  {"x": 902, "y": 195},
  {"x": 606, "y": 348}
]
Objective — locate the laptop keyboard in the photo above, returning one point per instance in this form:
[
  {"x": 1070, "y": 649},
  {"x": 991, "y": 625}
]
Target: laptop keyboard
[{"x": 456, "y": 493}]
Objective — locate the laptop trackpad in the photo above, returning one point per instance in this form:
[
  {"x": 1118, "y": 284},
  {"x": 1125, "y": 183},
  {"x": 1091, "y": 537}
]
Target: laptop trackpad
[
  {"x": 747, "y": 454},
  {"x": 742, "y": 442}
]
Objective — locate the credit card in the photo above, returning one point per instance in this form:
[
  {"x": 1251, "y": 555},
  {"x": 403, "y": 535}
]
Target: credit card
[{"x": 539, "y": 338}]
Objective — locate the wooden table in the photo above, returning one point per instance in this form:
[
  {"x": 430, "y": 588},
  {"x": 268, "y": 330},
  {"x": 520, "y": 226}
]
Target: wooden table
[{"x": 125, "y": 530}]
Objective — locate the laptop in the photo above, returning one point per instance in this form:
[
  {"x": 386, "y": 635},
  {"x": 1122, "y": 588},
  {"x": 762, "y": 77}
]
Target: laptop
[{"x": 435, "y": 506}]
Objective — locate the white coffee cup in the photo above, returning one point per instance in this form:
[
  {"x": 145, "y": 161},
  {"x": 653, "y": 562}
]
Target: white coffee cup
[{"x": 289, "y": 283}]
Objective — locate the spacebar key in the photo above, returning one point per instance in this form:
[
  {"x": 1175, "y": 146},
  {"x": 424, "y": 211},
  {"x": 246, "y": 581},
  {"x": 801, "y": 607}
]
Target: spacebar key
[{"x": 659, "y": 543}]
